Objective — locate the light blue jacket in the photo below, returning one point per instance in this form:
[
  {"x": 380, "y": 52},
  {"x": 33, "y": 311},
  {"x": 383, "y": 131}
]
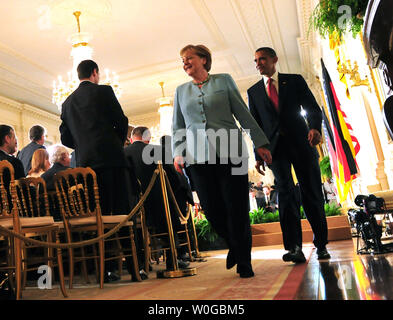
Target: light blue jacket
[{"x": 203, "y": 123}]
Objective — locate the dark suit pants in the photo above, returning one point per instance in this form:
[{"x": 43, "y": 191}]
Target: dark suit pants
[
  {"x": 225, "y": 201},
  {"x": 305, "y": 163}
]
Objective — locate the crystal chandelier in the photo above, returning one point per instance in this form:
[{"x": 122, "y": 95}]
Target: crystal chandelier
[
  {"x": 166, "y": 111},
  {"x": 81, "y": 50}
]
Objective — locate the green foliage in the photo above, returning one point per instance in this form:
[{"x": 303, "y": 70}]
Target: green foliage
[
  {"x": 205, "y": 231},
  {"x": 302, "y": 214},
  {"x": 332, "y": 209},
  {"x": 263, "y": 216},
  {"x": 326, "y": 170},
  {"x": 327, "y": 16}
]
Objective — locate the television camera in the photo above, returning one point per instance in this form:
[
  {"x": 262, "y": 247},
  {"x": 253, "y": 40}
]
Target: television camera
[{"x": 368, "y": 227}]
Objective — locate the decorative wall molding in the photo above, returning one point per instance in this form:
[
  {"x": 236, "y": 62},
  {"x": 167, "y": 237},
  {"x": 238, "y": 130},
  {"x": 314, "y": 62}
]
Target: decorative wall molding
[{"x": 10, "y": 104}]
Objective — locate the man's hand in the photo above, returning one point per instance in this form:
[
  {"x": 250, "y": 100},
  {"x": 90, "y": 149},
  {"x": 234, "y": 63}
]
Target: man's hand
[
  {"x": 266, "y": 157},
  {"x": 258, "y": 166},
  {"x": 314, "y": 137},
  {"x": 178, "y": 162}
]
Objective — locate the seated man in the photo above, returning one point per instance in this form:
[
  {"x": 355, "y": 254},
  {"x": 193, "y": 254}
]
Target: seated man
[
  {"x": 143, "y": 158},
  {"x": 60, "y": 160},
  {"x": 8, "y": 146},
  {"x": 37, "y": 137}
]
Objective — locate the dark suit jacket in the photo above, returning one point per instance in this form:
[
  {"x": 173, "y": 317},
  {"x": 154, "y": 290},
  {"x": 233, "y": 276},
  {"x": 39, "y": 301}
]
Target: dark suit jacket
[
  {"x": 154, "y": 205},
  {"x": 293, "y": 93},
  {"x": 16, "y": 163},
  {"x": 26, "y": 154},
  {"x": 94, "y": 124},
  {"x": 48, "y": 175}
]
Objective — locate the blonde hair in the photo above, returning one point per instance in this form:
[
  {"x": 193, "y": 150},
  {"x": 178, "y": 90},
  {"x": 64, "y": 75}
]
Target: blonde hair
[
  {"x": 38, "y": 161},
  {"x": 201, "y": 51}
]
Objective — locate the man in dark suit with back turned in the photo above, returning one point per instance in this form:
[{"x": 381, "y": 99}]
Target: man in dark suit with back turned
[
  {"x": 143, "y": 158},
  {"x": 94, "y": 125},
  {"x": 276, "y": 102},
  {"x": 37, "y": 137}
]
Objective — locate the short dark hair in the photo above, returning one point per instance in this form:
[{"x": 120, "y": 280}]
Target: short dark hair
[
  {"x": 202, "y": 52},
  {"x": 268, "y": 50},
  {"x": 139, "y": 131},
  {"x": 5, "y": 130},
  {"x": 85, "y": 69},
  {"x": 36, "y": 132}
]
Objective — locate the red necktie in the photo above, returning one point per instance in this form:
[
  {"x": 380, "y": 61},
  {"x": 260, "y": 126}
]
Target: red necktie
[{"x": 273, "y": 95}]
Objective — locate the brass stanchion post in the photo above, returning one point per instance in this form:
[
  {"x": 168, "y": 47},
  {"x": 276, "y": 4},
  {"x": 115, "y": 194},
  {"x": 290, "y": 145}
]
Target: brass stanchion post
[
  {"x": 176, "y": 272},
  {"x": 198, "y": 255}
]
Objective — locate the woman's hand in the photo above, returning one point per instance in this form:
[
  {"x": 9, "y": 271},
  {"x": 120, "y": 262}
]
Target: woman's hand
[{"x": 178, "y": 162}]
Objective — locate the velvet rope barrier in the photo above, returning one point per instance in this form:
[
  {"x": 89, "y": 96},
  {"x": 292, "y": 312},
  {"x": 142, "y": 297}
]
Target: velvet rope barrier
[{"x": 68, "y": 245}]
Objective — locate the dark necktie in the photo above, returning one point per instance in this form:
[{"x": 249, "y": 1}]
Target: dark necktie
[{"x": 272, "y": 91}]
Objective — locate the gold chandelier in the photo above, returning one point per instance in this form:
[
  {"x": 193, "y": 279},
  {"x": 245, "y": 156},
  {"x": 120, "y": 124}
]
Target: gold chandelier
[{"x": 81, "y": 50}]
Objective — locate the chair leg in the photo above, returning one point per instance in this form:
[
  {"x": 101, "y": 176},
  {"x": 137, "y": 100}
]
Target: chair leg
[
  {"x": 83, "y": 261},
  {"x": 18, "y": 268},
  {"x": 24, "y": 265},
  {"x": 60, "y": 267},
  {"x": 11, "y": 261},
  {"x": 146, "y": 248},
  {"x": 102, "y": 264},
  {"x": 120, "y": 254},
  {"x": 134, "y": 256},
  {"x": 84, "y": 266},
  {"x": 96, "y": 263},
  {"x": 71, "y": 267},
  {"x": 50, "y": 253}
]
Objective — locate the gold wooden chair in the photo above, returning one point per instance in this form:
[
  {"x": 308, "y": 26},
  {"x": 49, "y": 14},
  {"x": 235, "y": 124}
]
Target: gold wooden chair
[
  {"x": 36, "y": 222},
  {"x": 155, "y": 245},
  {"x": 11, "y": 247},
  {"x": 78, "y": 196}
]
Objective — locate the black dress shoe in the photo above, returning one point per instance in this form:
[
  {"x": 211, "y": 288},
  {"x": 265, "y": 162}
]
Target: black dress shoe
[
  {"x": 230, "y": 260},
  {"x": 184, "y": 257},
  {"x": 244, "y": 271},
  {"x": 295, "y": 255},
  {"x": 180, "y": 263},
  {"x": 111, "y": 276},
  {"x": 142, "y": 274},
  {"x": 183, "y": 264},
  {"x": 323, "y": 254}
]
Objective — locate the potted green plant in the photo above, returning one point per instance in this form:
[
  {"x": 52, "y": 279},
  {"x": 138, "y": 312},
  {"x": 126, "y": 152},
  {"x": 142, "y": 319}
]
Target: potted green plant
[
  {"x": 326, "y": 170},
  {"x": 338, "y": 16},
  {"x": 208, "y": 239}
]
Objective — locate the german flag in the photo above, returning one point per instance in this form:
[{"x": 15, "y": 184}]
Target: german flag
[{"x": 343, "y": 146}]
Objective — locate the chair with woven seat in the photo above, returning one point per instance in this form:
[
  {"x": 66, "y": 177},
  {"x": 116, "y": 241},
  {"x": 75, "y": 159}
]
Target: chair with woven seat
[
  {"x": 78, "y": 196},
  {"x": 16, "y": 216},
  {"x": 36, "y": 221},
  {"x": 10, "y": 246}
]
